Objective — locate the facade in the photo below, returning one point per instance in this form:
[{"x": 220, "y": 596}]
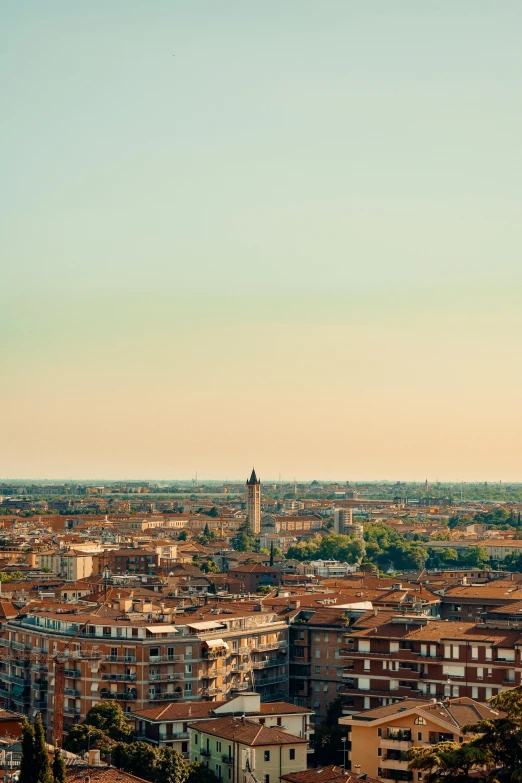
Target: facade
[
  {"x": 380, "y": 739},
  {"x": 169, "y": 725},
  {"x": 316, "y": 663},
  {"x": 408, "y": 656},
  {"x": 233, "y": 747},
  {"x": 255, "y": 575},
  {"x": 253, "y": 502},
  {"x": 343, "y": 517},
  {"x": 139, "y": 658}
]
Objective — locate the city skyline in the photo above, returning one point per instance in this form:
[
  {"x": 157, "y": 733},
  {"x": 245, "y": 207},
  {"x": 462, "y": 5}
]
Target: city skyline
[{"x": 296, "y": 243}]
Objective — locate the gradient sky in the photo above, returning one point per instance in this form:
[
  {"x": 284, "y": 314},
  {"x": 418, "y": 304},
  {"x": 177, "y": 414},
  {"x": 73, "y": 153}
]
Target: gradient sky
[{"x": 296, "y": 243}]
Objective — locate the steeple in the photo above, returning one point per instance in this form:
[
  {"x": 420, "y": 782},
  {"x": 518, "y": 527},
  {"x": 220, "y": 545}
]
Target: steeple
[{"x": 253, "y": 478}]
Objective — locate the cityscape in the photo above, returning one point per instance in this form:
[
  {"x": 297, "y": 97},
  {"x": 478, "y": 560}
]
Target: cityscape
[{"x": 260, "y": 399}]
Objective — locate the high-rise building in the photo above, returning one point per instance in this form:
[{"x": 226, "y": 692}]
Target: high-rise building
[
  {"x": 343, "y": 517},
  {"x": 253, "y": 502}
]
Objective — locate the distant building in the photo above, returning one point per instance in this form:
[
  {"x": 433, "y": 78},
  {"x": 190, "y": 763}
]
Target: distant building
[{"x": 253, "y": 502}]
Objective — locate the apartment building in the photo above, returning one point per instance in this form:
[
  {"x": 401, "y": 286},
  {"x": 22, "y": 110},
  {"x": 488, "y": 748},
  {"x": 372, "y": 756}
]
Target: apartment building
[
  {"x": 414, "y": 656},
  {"x": 139, "y": 657},
  {"x": 379, "y": 739},
  {"x": 168, "y": 725},
  {"x": 316, "y": 662},
  {"x": 232, "y": 747},
  {"x": 132, "y": 561},
  {"x": 70, "y": 564},
  {"x": 466, "y": 602}
]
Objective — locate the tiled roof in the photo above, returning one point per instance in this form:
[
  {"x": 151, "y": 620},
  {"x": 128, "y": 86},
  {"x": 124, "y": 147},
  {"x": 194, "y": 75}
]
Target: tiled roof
[
  {"x": 440, "y": 631},
  {"x": 330, "y": 774},
  {"x": 77, "y": 774},
  {"x": 247, "y": 732}
]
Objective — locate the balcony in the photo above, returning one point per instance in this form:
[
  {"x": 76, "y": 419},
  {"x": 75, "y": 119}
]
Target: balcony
[
  {"x": 398, "y": 741},
  {"x": 392, "y": 775},
  {"x": 4, "y": 691},
  {"x": 240, "y": 667},
  {"x": 277, "y": 645},
  {"x": 72, "y": 710},
  {"x": 40, "y": 704},
  {"x": 211, "y": 691},
  {"x": 204, "y": 752},
  {"x": 166, "y": 696},
  {"x": 123, "y": 696},
  {"x": 240, "y": 686},
  {"x": 72, "y": 673},
  {"x": 120, "y": 658},
  {"x": 163, "y": 677},
  {"x": 120, "y": 677},
  {"x": 176, "y": 735},
  {"x": 395, "y": 763},
  {"x": 226, "y": 759},
  {"x": 167, "y": 658},
  {"x": 20, "y": 681},
  {"x": 271, "y": 680},
  {"x": 244, "y": 650},
  {"x": 41, "y": 683},
  {"x": 278, "y": 661},
  {"x": 72, "y": 692}
]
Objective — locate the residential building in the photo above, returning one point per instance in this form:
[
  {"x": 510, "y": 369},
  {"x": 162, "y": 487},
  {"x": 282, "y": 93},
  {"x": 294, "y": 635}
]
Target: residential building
[
  {"x": 168, "y": 725},
  {"x": 132, "y": 653},
  {"x": 254, "y": 575},
  {"x": 231, "y": 747},
  {"x": 379, "y": 739},
  {"x": 391, "y": 658}
]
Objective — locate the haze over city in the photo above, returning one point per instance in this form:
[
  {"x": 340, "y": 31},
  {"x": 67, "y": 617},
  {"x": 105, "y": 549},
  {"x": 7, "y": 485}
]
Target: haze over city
[{"x": 276, "y": 233}]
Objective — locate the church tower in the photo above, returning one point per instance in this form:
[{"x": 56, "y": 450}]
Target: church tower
[{"x": 253, "y": 503}]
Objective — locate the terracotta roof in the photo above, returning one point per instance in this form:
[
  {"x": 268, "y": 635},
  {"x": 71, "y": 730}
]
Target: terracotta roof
[
  {"x": 247, "y": 732},
  {"x": 440, "y": 631},
  {"x": 186, "y": 710},
  {"x": 330, "y": 774},
  {"x": 459, "y": 712},
  {"x": 77, "y": 774}
]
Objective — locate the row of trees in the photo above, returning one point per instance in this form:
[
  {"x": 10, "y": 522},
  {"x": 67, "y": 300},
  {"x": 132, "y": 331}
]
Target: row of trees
[
  {"x": 347, "y": 549},
  {"x": 106, "y": 728},
  {"x": 35, "y": 766}
]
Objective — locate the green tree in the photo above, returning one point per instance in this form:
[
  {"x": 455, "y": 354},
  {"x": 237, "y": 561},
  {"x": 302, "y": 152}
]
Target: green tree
[
  {"x": 198, "y": 773},
  {"x": 271, "y": 553},
  {"x": 244, "y": 540},
  {"x": 110, "y": 719},
  {"x": 27, "y": 763},
  {"x": 326, "y": 740},
  {"x": 42, "y": 769},
  {"x": 59, "y": 772},
  {"x": 183, "y": 535},
  {"x": 81, "y": 737},
  {"x": 210, "y": 567},
  {"x": 141, "y": 760},
  {"x": 171, "y": 766},
  {"x": 450, "y": 762}
]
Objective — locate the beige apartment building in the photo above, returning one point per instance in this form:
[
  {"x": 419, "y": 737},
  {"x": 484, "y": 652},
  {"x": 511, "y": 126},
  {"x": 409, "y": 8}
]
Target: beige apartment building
[
  {"x": 379, "y": 739},
  {"x": 140, "y": 662}
]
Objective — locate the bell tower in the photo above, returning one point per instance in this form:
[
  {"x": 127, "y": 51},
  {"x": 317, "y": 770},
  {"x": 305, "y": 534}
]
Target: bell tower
[{"x": 253, "y": 502}]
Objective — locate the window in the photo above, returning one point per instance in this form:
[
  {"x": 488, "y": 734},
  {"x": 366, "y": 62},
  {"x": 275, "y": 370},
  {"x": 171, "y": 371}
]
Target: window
[
  {"x": 317, "y": 636},
  {"x": 504, "y": 654},
  {"x": 364, "y": 645},
  {"x": 266, "y": 755},
  {"x": 366, "y": 666},
  {"x": 326, "y": 637},
  {"x": 453, "y": 671},
  {"x": 366, "y": 702},
  {"x": 188, "y": 687},
  {"x": 364, "y": 683},
  {"x": 474, "y": 692},
  {"x": 394, "y": 684},
  {"x": 318, "y": 653},
  {"x": 394, "y": 647},
  {"x": 188, "y": 668},
  {"x": 455, "y": 691},
  {"x": 196, "y": 739},
  {"x": 419, "y": 721},
  {"x": 154, "y": 652},
  {"x": 318, "y": 670},
  {"x": 218, "y": 771},
  {"x": 489, "y": 654},
  {"x": 480, "y": 673},
  {"x": 419, "y": 736},
  {"x": 379, "y": 751},
  {"x": 474, "y": 654},
  {"x": 292, "y": 754},
  {"x": 267, "y": 777}
]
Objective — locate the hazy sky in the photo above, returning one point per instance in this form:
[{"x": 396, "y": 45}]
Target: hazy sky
[{"x": 296, "y": 243}]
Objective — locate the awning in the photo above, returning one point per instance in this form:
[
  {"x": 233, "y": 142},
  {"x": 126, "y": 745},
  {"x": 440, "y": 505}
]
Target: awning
[
  {"x": 162, "y": 628},
  {"x": 207, "y": 626},
  {"x": 216, "y": 643}
]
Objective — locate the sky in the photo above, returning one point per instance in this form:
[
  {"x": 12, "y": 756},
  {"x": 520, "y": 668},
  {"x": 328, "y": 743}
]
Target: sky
[{"x": 281, "y": 234}]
